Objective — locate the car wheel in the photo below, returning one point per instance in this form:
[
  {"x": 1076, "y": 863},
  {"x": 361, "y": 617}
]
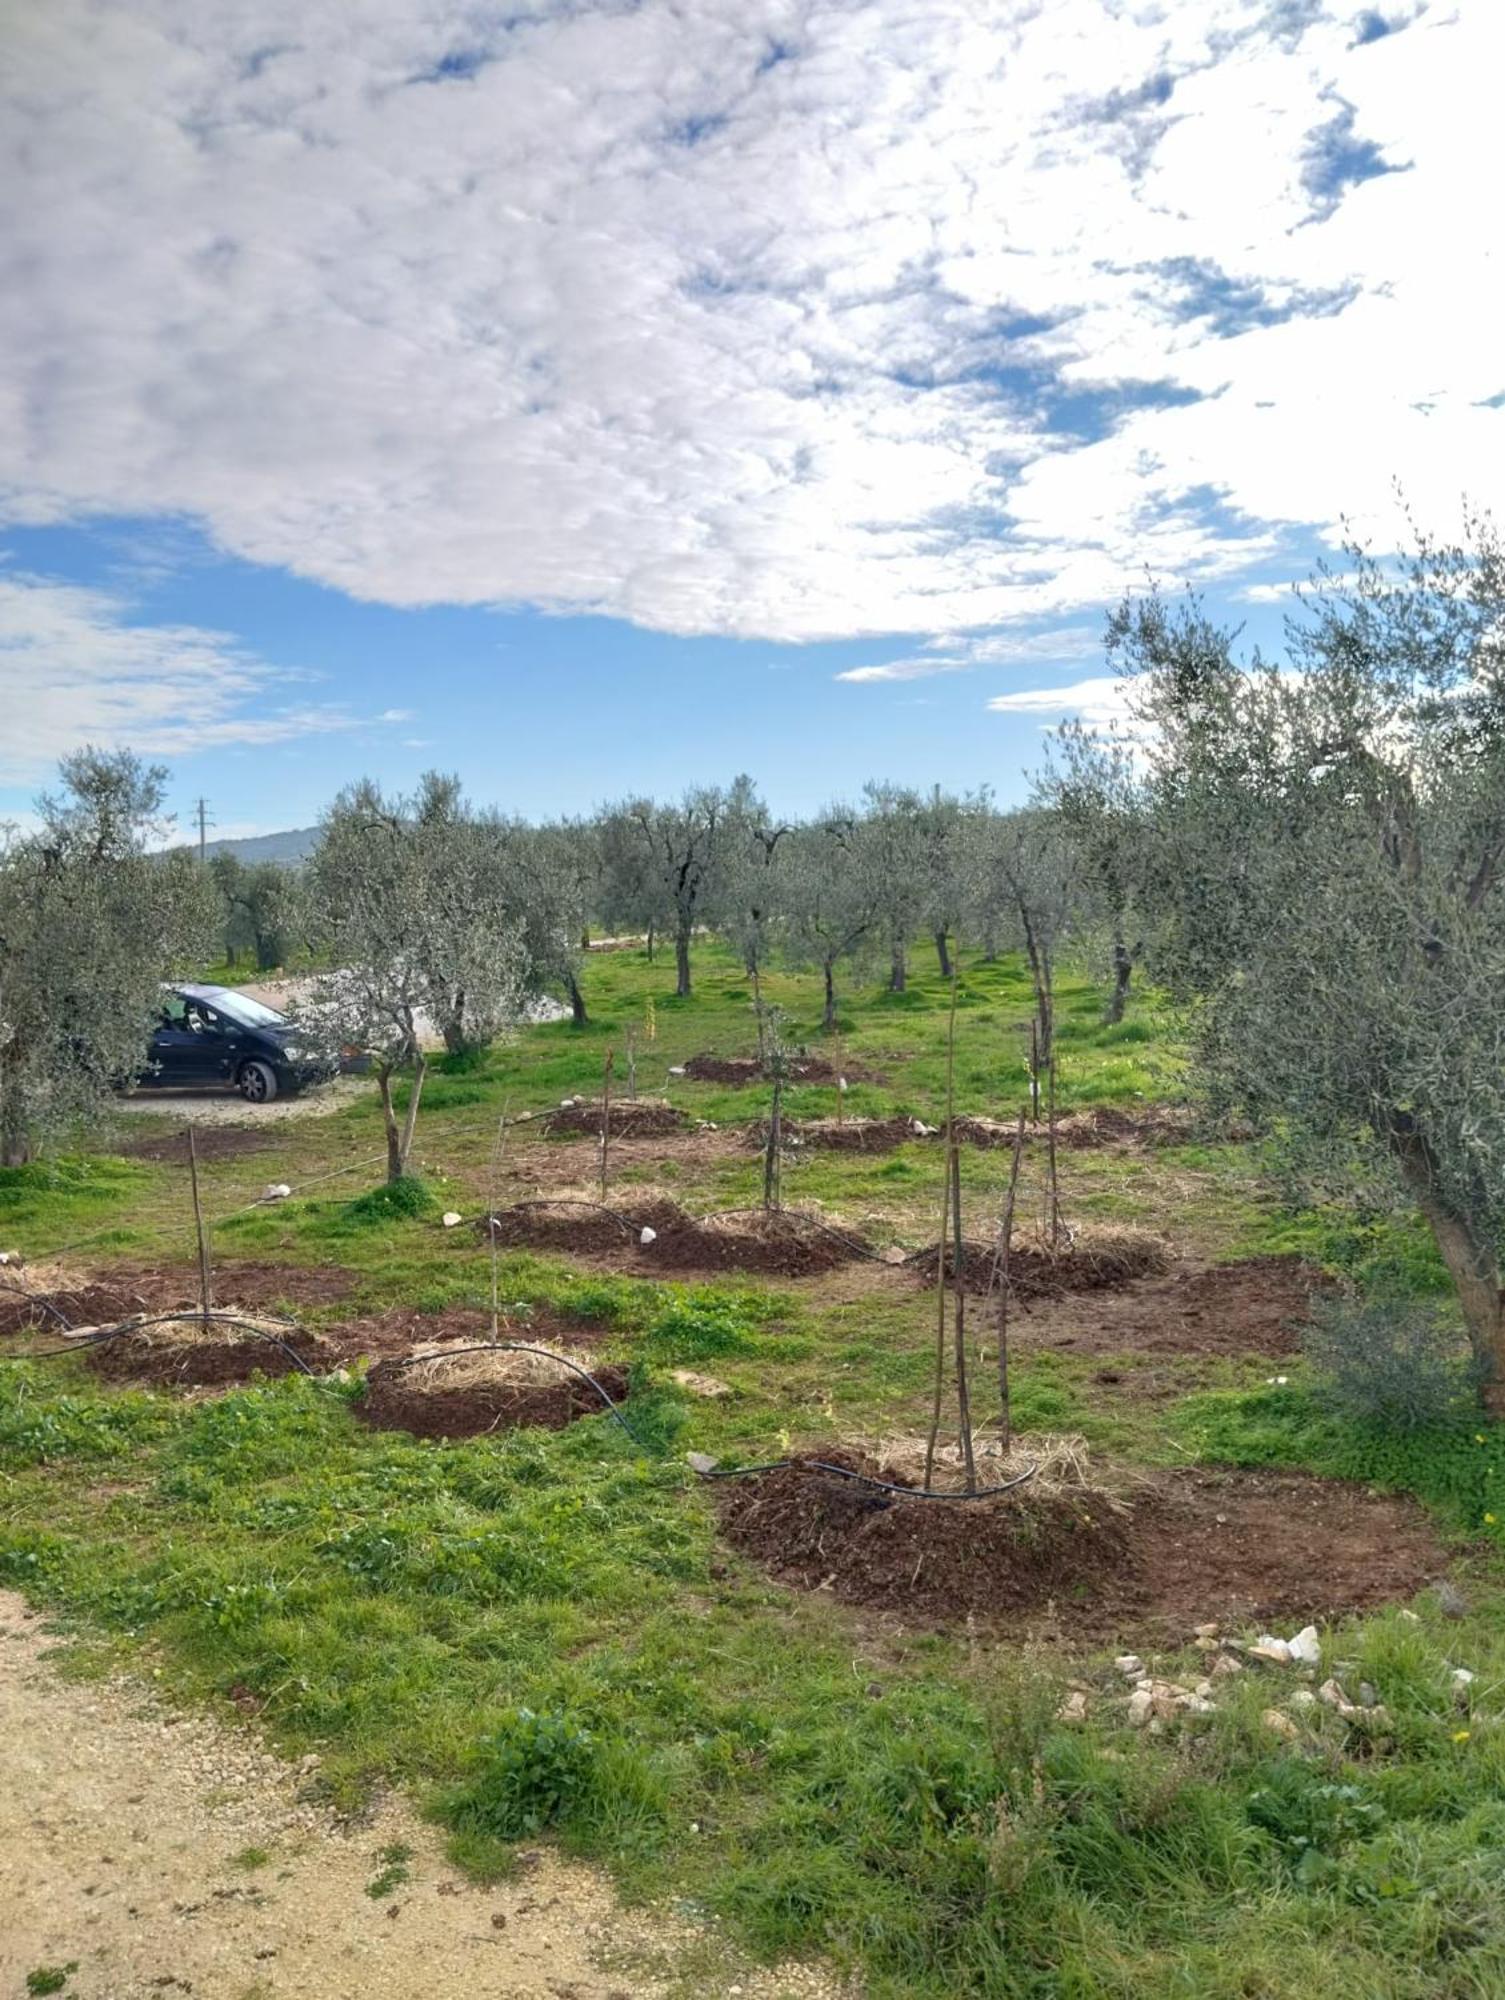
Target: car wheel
[{"x": 258, "y": 1082}]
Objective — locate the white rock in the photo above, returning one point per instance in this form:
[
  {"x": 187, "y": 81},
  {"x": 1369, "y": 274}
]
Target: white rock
[
  {"x": 1141, "y": 1706},
  {"x": 1410, "y": 1617},
  {"x": 8, "y": 1257},
  {"x": 700, "y": 1462},
  {"x": 1302, "y": 1698},
  {"x": 1274, "y": 1652},
  {"x": 566, "y": 1103},
  {"x": 1225, "y": 1664},
  {"x": 1462, "y": 1678},
  {"x": 1073, "y": 1708},
  {"x": 677, "y": 1069},
  {"x": 841, "y": 1083},
  {"x": 1280, "y": 1725},
  {"x": 1205, "y": 1631},
  {"x": 276, "y": 1191},
  {"x": 1332, "y": 1693},
  {"x": 1306, "y": 1646},
  {"x": 1130, "y": 1665},
  {"x": 1205, "y": 1690},
  {"x": 450, "y": 1217},
  {"x": 647, "y": 1236}
]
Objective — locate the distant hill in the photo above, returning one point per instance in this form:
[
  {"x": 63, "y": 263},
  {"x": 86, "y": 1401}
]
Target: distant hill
[{"x": 286, "y": 848}]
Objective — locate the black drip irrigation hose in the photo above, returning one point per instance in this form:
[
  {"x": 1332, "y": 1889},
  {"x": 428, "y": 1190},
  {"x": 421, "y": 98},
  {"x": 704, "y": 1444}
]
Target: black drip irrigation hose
[
  {"x": 613, "y": 1409},
  {"x": 195, "y": 1318}
]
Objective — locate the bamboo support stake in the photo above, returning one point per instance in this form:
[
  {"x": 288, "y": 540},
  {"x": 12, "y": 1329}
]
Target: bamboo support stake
[
  {"x": 1004, "y": 1282},
  {"x": 495, "y": 1178},
  {"x": 611, "y": 1056},
  {"x": 205, "y": 1294},
  {"x": 940, "y": 1268},
  {"x": 959, "y": 1320}
]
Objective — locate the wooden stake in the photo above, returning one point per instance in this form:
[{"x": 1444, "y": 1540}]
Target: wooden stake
[
  {"x": 632, "y": 1067},
  {"x": 1034, "y": 1072},
  {"x": 940, "y": 1265},
  {"x": 1051, "y": 1169},
  {"x": 611, "y": 1057},
  {"x": 205, "y": 1295},
  {"x": 1004, "y": 1282},
  {"x": 959, "y": 1320},
  {"x": 773, "y": 1153},
  {"x": 496, "y": 1174}
]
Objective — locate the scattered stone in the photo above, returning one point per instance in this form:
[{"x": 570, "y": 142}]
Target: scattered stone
[
  {"x": 1462, "y": 1678},
  {"x": 1205, "y": 1631},
  {"x": 1073, "y": 1708},
  {"x": 1306, "y": 1646},
  {"x": 276, "y": 1191},
  {"x": 1303, "y": 1698},
  {"x": 699, "y": 1385},
  {"x": 1274, "y": 1652},
  {"x": 1451, "y": 1601},
  {"x": 1280, "y": 1725},
  {"x": 450, "y": 1217},
  {"x": 1332, "y": 1693},
  {"x": 698, "y": 1461},
  {"x": 1141, "y": 1706},
  {"x": 1129, "y": 1665},
  {"x": 1224, "y": 1665},
  {"x": 676, "y": 1069},
  {"x": 647, "y": 1236},
  {"x": 1410, "y": 1616}
]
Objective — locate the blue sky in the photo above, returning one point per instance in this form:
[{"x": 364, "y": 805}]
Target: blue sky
[{"x": 607, "y": 396}]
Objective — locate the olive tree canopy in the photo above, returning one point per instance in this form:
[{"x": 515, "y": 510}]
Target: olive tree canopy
[
  {"x": 1323, "y": 859},
  {"x": 91, "y": 923},
  {"x": 410, "y": 900}
]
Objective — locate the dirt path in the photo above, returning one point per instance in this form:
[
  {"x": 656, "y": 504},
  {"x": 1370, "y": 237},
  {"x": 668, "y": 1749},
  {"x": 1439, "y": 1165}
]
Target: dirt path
[{"x": 153, "y": 1854}]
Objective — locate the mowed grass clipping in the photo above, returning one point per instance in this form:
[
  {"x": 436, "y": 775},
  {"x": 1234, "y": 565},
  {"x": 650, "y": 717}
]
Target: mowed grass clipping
[{"x": 542, "y": 1635}]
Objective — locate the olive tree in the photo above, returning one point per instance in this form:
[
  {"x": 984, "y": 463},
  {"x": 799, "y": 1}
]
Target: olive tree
[
  {"x": 680, "y": 850},
  {"x": 91, "y": 923},
  {"x": 831, "y": 915},
  {"x": 262, "y": 909},
  {"x": 408, "y": 898},
  {"x": 894, "y": 851},
  {"x": 1025, "y": 891},
  {"x": 1324, "y": 861}
]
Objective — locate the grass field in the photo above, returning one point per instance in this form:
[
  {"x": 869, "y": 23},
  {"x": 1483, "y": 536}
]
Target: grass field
[{"x": 544, "y": 1632}]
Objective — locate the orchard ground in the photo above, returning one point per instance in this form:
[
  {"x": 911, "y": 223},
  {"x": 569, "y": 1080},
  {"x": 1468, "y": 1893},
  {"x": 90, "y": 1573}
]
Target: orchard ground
[{"x": 886, "y": 1736}]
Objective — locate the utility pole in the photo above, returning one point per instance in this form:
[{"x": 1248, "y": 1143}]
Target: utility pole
[{"x": 202, "y": 809}]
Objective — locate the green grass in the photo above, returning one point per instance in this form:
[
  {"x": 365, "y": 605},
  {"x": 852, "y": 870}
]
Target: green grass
[{"x": 542, "y": 1635}]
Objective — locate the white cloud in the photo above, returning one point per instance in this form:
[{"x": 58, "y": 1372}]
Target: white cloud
[
  {"x": 74, "y": 669},
  {"x": 750, "y": 316},
  {"x": 1101, "y": 703},
  {"x": 917, "y": 668}
]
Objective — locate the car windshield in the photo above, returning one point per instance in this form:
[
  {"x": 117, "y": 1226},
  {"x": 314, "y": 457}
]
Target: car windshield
[{"x": 246, "y": 1012}]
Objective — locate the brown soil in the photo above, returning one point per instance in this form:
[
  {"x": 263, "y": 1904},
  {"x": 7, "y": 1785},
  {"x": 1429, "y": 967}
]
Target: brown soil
[
  {"x": 486, "y": 1393},
  {"x": 401, "y": 1329},
  {"x": 214, "y": 1142},
  {"x": 1149, "y": 1125},
  {"x": 641, "y": 1118},
  {"x": 844, "y": 1135},
  {"x": 783, "y": 1244},
  {"x": 183, "y": 1354},
  {"x": 55, "y": 1310},
  {"x": 584, "y": 1227},
  {"x": 1202, "y": 1544},
  {"x": 747, "y": 1069},
  {"x": 1253, "y": 1307},
  {"x": 238, "y": 1282},
  {"x": 1093, "y": 1260}
]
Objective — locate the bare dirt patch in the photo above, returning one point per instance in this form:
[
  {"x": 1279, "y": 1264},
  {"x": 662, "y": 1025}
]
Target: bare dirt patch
[
  {"x": 1090, "y": 1260},
  {"x": 1255, "y": 1306},
  {"x": 120, "y": 1820},
  {"x": 840, "y": 1135},
  {"x": 783, "y": 1243},
  {"x": 238, "y": 1281},
  {"x": 402, "y": 1329},
  {"x": 185, "y": 1353},
  {"x": 587, "y": 1228},
  {"x": 55, "y": 1307},
  {"x": 1201, "y": 1544},
  {"x": 631, "y": 1118},
  {"x": 215, "y": 1142},
  {"x": 471, "y": 1394},
  {"x": 1146, "y": 1125},
  {"x": 709, "y": 1068}
]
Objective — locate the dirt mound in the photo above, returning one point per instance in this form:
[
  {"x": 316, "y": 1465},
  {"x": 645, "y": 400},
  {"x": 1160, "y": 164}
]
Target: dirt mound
[
  {"x": 185, "y": 1352},
  {"x": 56, "y": 1309},
  {"x": 211, "y": 1142},
  {"x": 402, "y": 1329},
  {"x": 1097, "y": 1259},
  {"x": 1255, "y": 1306},
  {"x": 785, "y": 1243},
  {"x": 1203, "y": 1544},
  {"x": 585, "y": 1227},
  {"x": 1146, "y": 1125},
  {"x": 238, "y": 1281},
  {"x": 986, "y": 1132},
  {"x": 631, "y": 1118},
  {"x": 708, "y": 1068},
  {"x": 841, "y": 1135},
  {"x": 471, "y": 1394}
]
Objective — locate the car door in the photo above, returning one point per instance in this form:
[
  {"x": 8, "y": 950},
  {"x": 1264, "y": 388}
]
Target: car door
[
  {"x": 177, "y": 1050},
  {"x": 216, "y": 1044}
]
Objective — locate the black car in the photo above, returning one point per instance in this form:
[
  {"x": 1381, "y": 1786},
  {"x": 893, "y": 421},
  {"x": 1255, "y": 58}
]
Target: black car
[{"x": 213, "y": 1035}]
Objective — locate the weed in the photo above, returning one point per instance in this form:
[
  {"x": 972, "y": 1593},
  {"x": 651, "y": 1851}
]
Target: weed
[
  {"x": 50, "y": 1978},
  {"x": 393, "y": 1872}
]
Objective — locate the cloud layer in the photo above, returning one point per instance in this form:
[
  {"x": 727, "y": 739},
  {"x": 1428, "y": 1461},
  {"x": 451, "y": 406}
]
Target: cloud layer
[
  {"x": 795, "y": 318},
  {"x": 74, "y": 667}
]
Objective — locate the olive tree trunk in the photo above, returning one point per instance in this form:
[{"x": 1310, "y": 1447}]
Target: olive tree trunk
[
  {"x": 400, "y": 1134},
  {"x": 682, "y": 961},
  {"x": 943, "y": 953},
  {"x": 578, "y": 1015},
  {"x": 829, "y": 1019},
  {"x": 1471, "y": 1257}
]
